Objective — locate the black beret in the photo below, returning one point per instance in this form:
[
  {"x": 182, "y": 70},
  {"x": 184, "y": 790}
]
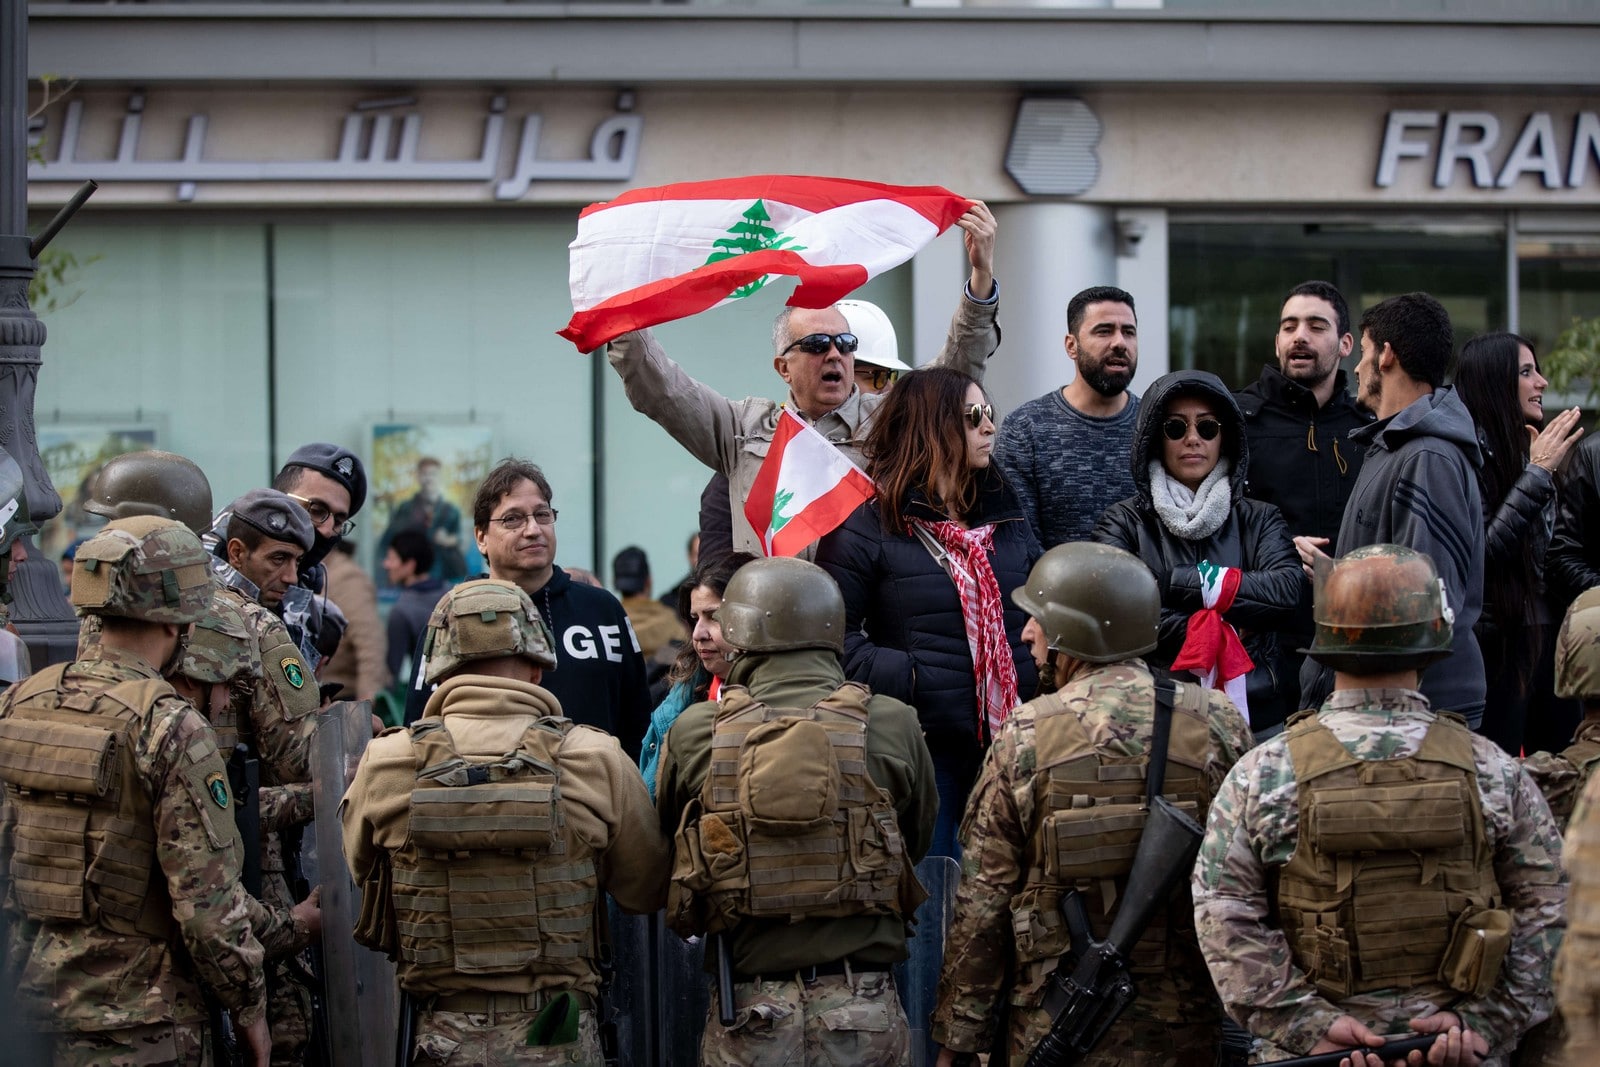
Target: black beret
[
  {"x": 340, "y": 464},
  {"x": 277, "y": 515}
]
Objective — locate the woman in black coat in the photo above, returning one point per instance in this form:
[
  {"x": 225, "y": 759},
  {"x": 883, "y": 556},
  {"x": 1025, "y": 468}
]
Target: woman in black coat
[
  {"x": 944, "y": 521},
  {"x": 1190, "y": 458}
]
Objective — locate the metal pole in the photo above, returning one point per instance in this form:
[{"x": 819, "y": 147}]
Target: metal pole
[{"x": 40, "y": 613}]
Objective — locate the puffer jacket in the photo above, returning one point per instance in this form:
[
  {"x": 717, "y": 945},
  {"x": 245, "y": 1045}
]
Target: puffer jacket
[
  {"x": 1253, "y": 538},
  {"x": 904, "y": 635}
]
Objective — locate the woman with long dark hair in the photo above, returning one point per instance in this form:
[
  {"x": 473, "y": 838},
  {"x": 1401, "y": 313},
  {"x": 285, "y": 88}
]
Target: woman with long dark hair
[
  {"x": 927, "y": 569},
  {"x": 1497, "y": 377},
  {"x": 703, "y": 664}
]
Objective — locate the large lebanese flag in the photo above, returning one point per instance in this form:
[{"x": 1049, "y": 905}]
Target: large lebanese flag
[
  {"x": 658, "y": 254},
  {"x": 806, "y": 487}
]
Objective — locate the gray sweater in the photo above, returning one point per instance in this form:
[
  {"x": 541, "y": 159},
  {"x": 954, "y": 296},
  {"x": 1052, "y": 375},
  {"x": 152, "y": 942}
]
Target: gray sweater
[{"x": 1067, "y": 467}]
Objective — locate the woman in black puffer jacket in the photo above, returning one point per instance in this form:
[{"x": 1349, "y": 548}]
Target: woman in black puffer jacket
[
  {"x": 907, "y": 634},
  {"x": 1190, "y": 507}
]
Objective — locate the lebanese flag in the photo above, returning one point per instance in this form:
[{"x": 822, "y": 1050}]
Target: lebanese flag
[
  {"x": 1212, "y": 649},
  {"x": 664, "y": 253},
  {"x": 805, "y": 488}
]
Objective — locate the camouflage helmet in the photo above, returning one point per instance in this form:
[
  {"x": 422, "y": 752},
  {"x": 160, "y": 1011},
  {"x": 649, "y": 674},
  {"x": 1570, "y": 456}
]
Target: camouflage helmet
[
  {"x": 1380, "y": 608},
  {"x": 485, "y": 619},
  {"x": 780, "y": 604},
  {"x": 1095, "y": 603},
  {"x": 145, "y": 568},
  {"x": 14, "y": 522},
  {"x": 220, "y": 649},
  {"x": 1578, "y": 649},
  {"x": 152, "y": 483}
]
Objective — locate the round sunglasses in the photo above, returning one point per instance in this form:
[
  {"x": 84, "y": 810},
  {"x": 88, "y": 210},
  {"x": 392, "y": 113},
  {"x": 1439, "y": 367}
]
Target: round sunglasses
[{"x": 1176, "y": 428}]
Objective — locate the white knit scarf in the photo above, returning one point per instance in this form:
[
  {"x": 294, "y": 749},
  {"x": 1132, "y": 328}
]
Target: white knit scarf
[{"x": 1192, "y": 514}]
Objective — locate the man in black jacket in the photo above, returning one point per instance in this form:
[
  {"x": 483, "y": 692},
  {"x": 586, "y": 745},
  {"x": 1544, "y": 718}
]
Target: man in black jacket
[
  {"x": 1572, "y": 563},
  {"x": 1297, "y": 417}
]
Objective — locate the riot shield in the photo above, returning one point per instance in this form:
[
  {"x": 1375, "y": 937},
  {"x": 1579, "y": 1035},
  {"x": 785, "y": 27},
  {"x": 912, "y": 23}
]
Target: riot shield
[
  {"x": 918, "y": 977},
  {"x": 683, "y": 993},
  {"x": 359, "y": 983},
  {"x": 628, "y": 1028}
]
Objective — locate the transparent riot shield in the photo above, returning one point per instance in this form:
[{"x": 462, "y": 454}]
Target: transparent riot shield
[
  {"x": 628, "y": 1023},
  {"x": 683, "y": 993},
  {"x": 918, "y": 977},
  {"x": 359, "y": 984}
]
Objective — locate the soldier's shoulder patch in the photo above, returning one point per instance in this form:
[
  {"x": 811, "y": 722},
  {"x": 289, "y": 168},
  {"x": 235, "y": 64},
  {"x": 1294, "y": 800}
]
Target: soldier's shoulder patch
[
  {"x": 217, "y": 786},
  {"x": 294, "y": 672}
]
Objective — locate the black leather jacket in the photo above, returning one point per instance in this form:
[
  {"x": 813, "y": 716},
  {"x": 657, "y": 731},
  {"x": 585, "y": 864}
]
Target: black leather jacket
[{"x": 1572, "y": 563}]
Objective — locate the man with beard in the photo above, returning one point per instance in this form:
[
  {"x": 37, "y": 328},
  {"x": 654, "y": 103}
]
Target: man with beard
[
  {"x": 1066, "y": 453},
  {"x": 1297, "y": 418},
  {"x": 1418, "y": 485}
]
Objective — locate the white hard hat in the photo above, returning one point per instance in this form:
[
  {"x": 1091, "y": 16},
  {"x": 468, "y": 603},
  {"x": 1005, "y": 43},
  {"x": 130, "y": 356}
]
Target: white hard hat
[{"x": 879, "y": 346}]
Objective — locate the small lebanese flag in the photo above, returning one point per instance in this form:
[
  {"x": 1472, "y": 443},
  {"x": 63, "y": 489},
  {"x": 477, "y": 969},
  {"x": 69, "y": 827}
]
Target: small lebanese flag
[
  {"x": 664, "y": 253},
  {"x": 806, "y": 487},
  {"x": 1212, "y": 649}
]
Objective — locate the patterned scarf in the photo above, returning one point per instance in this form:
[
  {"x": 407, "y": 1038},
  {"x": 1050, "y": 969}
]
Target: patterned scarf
[{"x": 966, "y": 558}]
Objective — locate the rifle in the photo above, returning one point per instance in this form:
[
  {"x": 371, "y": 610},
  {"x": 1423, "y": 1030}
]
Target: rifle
[
  {"x": 1396, "y": 1049},
  {"x": 408, "y": 1030},
  {"x": 244, "y": 778},
  {"x": 226, "y": 1048},
  {"x": 725, "y": 1005},
  {"x": 1087, "y": 998}
]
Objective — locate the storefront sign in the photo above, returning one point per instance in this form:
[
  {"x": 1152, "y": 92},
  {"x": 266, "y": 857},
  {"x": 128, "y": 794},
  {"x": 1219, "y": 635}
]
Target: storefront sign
[
  {"x": 1474, "y": 138},
  {"x": 371, "y": 149}
]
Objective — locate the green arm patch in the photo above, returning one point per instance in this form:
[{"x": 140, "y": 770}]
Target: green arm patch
[
  {"x": 217, "y": 786},
  {"x": 293, "y": 672}
]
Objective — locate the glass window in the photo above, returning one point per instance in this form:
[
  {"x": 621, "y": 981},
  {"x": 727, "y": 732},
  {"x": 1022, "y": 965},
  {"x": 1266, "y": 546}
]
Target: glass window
[
  {"x": 1558, "y": 280},
  {"x": 1228, "y": 280}
]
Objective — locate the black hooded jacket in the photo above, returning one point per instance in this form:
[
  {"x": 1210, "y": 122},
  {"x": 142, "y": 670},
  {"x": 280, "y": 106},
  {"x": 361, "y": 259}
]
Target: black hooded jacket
[{"x": 1253, "y": 538}]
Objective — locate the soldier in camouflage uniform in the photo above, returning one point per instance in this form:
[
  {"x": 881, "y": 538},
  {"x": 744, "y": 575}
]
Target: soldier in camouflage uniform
[
  {"x": 809, "y": 769},
  {"x": 1379, "y": 870},
  {"x": 243, "y": 673},
  {"x": 117, "y": 843},
  {"x": 1561, "y": 775},
  {"x": 1095, "y": 610},
  {"x": 482, "y": 836},
  {"x": 1578, "y": 967}
]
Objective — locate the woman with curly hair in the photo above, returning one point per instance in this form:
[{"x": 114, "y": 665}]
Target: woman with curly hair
[{"x": 927, "y": 569}]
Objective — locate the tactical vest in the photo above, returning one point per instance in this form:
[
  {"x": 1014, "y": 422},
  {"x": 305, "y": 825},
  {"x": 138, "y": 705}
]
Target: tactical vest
[
  {"x": 1091, "y": 812},
  {"x": 85, "y": 834},
  {"x": 484, "y": 884},
  {"x": 1391, "y": 884},
  {"x": 1583, "y": 754},
  {"x": 788, "y": 824}
]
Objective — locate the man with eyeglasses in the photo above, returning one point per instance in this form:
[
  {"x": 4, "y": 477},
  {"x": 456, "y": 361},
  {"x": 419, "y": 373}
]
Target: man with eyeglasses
[
  {"x": 1066, "y": 452},
  {"x": 600, "y": 677},
  {"x": 815, "y": 352}
]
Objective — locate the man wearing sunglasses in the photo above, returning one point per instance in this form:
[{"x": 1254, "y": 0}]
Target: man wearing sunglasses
[{"x": 815, "y": 353}]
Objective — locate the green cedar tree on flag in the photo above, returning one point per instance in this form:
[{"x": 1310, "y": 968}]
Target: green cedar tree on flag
[
  {"x": 663, "y": 253},
  {"x": 806, "y": 487}
]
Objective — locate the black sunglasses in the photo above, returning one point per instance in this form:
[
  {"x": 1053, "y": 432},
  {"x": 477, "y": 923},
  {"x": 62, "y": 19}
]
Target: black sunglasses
[
  {"x": 816, "y": 344},
  {"x": 1176, "y": 427},
  {"x": 877, "y": 377},
  {"x": 976, "y": 413}
]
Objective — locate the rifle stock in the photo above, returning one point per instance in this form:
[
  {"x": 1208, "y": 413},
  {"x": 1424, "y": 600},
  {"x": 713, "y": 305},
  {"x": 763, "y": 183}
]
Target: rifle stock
[{"x": 1167, "y": 851}]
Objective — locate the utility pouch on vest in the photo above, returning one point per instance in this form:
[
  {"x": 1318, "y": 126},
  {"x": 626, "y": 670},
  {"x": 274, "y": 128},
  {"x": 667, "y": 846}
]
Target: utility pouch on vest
[
  {"x": 1478, "y": 945},
  {"x": 376, "y": 926},
  {"x": 705, "y": 852},
  {"x": 1368, "y": 818},
  {"x": 57, "y": 757}
]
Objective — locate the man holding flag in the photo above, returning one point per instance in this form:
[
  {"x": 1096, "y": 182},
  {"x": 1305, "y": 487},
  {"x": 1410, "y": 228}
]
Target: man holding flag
[{"x": 813, "y": 352}]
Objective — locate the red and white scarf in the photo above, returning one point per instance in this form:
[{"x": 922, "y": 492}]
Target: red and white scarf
[
  {"x": 966, "y": 558},
  {"x": 1212, "y": 648}
]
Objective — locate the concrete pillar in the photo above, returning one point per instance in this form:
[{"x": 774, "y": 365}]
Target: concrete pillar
[{"x": 1142, "y": 272}]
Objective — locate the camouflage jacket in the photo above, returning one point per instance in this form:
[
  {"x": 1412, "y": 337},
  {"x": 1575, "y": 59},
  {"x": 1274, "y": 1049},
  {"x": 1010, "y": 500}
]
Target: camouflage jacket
[
  {"x": 1578, "y": 968},
  {"x": 1560, "y": 776},
  {"x": 1116, "y": 704},
  {"x": 85, "y": 978},
  {"x": 1254, "y": 827}
]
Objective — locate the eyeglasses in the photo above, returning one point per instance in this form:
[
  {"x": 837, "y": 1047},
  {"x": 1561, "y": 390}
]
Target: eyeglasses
[
  {"x": 1176, "y": 427},
  {"x": 816, "y": 344},
  {"x": 517, "y": 521},
  {"x": 877, "y": 377},
  {"x": 976, "y": 413},
  {"x": 320, "y": 513}
]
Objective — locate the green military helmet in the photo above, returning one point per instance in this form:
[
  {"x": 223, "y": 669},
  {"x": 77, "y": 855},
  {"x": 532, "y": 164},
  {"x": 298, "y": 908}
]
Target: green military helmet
[
  {"x": 145, "y": 568},
  {"x": 14, "y": 521},
  {"x": 1380, "y": 608},
  {"x": 780, "y": 604},
  {"x": 485, "y": 619},
  {"x": 152, "y": 483},
  {"x": 1095, "y": 603},
  {"x": 1578, "y": 649},
  {"x": 220, "y": 649}
]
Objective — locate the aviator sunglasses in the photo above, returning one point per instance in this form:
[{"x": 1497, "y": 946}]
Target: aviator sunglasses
[
  {"x": 1176, "y": 427},
  {"x": 816, "y": 344},
  {"x": 976, "y": 413}
]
